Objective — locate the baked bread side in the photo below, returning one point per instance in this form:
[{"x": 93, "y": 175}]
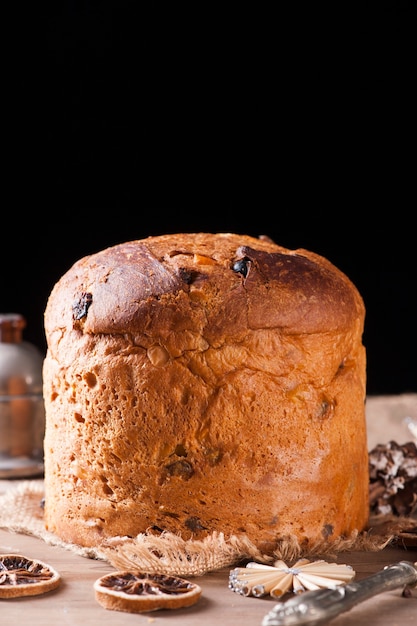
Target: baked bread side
[{"x": 202, "y": 382}]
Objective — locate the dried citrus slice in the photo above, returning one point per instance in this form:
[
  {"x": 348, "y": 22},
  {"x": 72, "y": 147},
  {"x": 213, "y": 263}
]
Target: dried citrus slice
[
  {"x": 22, "y": 576},
  {"x": 136, "y": 592}
]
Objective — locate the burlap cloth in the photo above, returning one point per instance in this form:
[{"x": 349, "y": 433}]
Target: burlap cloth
[{"x": 21, "y": 511}]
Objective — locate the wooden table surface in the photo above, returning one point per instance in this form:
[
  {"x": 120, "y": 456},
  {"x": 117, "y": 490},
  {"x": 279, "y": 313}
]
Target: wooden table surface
[{"x": 73, "y": 602}]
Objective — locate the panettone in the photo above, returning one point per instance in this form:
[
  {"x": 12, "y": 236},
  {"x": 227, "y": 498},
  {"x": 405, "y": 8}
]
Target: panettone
[{"x": 199, "y": 383}]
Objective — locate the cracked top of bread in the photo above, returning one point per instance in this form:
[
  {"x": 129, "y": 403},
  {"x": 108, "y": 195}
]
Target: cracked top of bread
[{"x": 213, "y": 285}]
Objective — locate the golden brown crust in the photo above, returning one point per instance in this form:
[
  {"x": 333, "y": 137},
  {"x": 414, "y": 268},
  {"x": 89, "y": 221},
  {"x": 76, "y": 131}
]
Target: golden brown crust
[
  {"x": 205, "y": 382},
  {"x": 188, "y": 281}
]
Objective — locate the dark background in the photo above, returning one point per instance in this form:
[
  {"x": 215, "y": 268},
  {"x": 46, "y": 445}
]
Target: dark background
[{"x": 296, "y": 123}]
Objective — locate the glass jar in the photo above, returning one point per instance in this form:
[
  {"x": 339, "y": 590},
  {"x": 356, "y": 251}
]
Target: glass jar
[{"x": 22, "y": 412}]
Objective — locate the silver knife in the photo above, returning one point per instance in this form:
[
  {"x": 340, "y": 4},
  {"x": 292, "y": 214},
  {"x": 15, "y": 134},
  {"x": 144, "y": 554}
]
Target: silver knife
[{"x": 312, "y": 608}]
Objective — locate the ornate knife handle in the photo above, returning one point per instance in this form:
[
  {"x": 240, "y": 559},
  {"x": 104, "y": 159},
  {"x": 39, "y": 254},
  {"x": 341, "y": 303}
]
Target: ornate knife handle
[{"x": 313, "y": 608}]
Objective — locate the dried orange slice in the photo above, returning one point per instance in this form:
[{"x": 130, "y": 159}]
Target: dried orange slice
[
  {"x": 22, "y": 576},
  {"x": 137, "y": 592}
]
